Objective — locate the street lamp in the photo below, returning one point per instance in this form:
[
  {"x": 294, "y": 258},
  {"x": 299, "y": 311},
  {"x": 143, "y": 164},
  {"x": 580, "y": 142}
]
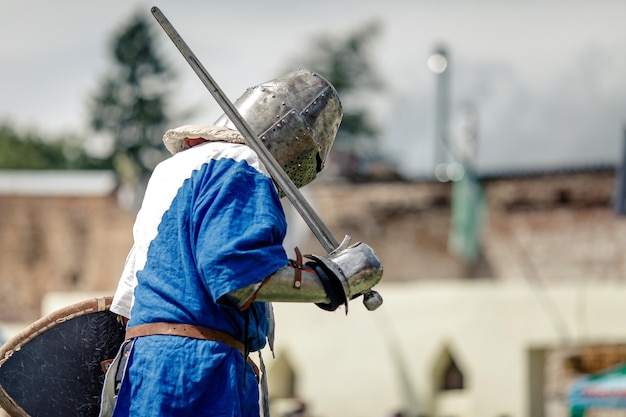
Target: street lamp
[{"x": 439, "y": 65}]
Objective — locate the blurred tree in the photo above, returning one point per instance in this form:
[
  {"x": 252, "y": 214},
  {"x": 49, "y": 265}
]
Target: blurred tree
[
  {"x": 130, "y": 109},
  {"x": 31, "y": 151},
  {"x": 347, "y": 64}
]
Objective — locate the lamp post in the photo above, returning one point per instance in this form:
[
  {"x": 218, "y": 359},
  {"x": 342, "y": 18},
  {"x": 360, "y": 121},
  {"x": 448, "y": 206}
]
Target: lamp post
[{"x": 438, "y": 63}]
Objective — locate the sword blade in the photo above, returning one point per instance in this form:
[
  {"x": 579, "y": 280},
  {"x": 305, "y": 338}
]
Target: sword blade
[{"x": 313, "y": 221}]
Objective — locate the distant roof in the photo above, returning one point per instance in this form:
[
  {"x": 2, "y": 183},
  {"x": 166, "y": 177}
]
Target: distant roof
[
  {"x": 517, "y": 172},
  {"x": 57, "y": 183},
  {"x": 543, "y": 171}
]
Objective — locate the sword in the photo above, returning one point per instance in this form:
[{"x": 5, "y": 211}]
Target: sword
[{"x": 371, "y": 299}]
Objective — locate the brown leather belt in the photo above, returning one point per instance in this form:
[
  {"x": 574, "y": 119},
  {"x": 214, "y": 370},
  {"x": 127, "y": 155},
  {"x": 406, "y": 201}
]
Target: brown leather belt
[{"x": 189, "y": 330}]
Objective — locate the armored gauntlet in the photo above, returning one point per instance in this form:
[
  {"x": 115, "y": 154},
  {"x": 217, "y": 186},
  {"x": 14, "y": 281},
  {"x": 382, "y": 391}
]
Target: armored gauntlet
[
  {"x": 328, "y": 281},
  {"x": 347, "y": 272}
]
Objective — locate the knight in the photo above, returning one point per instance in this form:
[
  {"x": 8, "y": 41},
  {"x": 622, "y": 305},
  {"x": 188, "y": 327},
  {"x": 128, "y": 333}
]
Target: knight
[{"x": 208, "y": 257}]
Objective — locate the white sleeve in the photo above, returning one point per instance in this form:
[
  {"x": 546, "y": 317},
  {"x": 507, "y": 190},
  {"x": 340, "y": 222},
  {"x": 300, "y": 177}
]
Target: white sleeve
[{"x": 123, "y": 299}]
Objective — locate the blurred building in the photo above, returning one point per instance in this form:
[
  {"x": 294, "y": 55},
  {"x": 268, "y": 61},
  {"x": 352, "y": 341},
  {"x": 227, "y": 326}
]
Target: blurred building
[
  {"x": 59, "y": 231},
  {"x": 495, "y": 334}
]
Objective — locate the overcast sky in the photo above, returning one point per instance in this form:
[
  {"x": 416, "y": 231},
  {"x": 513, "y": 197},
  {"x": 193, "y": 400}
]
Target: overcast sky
[{"x": 547, "y": 78}]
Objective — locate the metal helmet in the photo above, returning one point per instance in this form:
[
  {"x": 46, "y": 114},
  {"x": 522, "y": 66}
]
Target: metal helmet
[{"x": 296, "y": 116}]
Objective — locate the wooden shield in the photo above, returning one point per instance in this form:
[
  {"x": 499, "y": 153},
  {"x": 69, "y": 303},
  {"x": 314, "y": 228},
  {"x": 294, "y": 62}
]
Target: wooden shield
[{"x": 56, "y": 366}]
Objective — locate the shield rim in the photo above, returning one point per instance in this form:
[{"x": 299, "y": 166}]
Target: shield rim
[{"x": 38, "y": 327}]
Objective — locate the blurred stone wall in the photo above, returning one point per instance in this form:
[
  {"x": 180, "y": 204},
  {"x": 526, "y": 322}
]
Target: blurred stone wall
[
  {"x": 58, "y": 244},
  {"x": 543, "y": 228}
]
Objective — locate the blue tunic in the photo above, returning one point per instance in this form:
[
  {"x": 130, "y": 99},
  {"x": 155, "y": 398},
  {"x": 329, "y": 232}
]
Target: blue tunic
[{"x": 211, "y": 222}]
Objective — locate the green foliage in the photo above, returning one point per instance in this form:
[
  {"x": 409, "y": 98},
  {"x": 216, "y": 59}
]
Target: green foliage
[
  {"x": 30, "y": 151},
  {"x": 130, "y": 106},
  {"x": 129, "y": 109},
  {"x": 347, "y": 65}
]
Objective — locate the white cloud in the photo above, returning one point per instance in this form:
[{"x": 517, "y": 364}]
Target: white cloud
[{"x": 546, "y": 75}]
